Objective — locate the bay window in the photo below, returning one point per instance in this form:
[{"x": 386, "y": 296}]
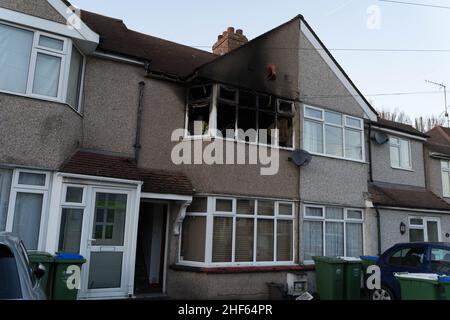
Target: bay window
[
  {"x": 222, "y": 111},
  {"x": 332, "y": 231},
  {"x": 234, "y": 232},
  {"x": 40, "y": 65},
  {"x": 400, "y": 153},
  {"x": 445, "y": 176},
  {"x": 333, "y": 134}
]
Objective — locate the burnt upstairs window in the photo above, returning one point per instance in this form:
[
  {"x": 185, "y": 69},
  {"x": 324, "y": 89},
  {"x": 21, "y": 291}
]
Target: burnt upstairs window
[
  {"x": 199, "y": 105},
  {"x": 247, "y": 116},
  {"x": 266, "y": 119},
  {"x": 285, "y": 113},
  {"x": 226, "y": 111}
]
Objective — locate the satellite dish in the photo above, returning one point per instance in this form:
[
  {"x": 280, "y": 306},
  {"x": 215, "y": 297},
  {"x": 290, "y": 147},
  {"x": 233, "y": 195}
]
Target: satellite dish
[
  {"x": 300, "y": 157},
  {"x": 380, "y": 137}
]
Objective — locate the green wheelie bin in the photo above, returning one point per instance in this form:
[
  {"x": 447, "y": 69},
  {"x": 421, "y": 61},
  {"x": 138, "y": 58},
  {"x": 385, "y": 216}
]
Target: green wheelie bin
[
  {"x": 444, "y": 283},
  {"x": 419, "y": 286},
  {"x": 329, "y": 277},
  {"x": 352, "y": 278},
  {"x": 67, "y": 276},
  {"x": 47, "y": 260}
]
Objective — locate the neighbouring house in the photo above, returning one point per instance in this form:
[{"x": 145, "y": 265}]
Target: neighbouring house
[
  {"x": 405, "y": 208},
  {"x": 91, "y": 113}
]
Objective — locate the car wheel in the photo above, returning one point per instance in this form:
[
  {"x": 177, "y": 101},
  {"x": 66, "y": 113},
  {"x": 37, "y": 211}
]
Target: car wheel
[{"x": 382, "y": 294}]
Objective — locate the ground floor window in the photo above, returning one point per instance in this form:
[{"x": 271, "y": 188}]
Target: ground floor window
[
  {"x": 332, "y": 231},
  {"x": 424, "y": 229},
  {"x": 228, "y": 231},
  {"x": 23, "y": 205}
]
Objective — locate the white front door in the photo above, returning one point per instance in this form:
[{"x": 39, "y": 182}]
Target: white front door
[{"x": 106, "y": 244}]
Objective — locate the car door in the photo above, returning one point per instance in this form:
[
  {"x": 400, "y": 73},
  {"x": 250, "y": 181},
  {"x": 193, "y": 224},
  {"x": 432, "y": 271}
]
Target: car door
[
  {"x": 410, "y": 258},
  {"x": 439, "y": 260}
]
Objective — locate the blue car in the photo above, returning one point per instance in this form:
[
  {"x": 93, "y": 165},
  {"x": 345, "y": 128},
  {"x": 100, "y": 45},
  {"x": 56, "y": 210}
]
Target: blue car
[{"x": 418, "y": 257}]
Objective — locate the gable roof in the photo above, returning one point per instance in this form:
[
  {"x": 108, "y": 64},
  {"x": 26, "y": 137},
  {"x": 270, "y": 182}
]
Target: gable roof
[
  {"x": 398, "y": 126},
  {"x": 403, "y": 196},
  {"x": 105, "y": 165},
  {"x": 165, "y": 57},
  {"x": 338, "y": 70}
]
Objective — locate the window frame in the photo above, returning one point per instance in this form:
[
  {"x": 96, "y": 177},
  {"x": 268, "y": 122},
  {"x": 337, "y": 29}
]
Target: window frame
[
  {"x": 324, "y": 220},
  {"x": 211, "y": 133},
  {"x": 343, "y": 126},
  {"x": 71, "y": 205},
  {"x": 398, "y": 146},
  {"x": 447, "y": 170},
  {"x": 211, "y": 214},
  {"x": 65, "y": 55},
  {"x": 17, "y": 188},
  {"x": 424, "y": 226}
]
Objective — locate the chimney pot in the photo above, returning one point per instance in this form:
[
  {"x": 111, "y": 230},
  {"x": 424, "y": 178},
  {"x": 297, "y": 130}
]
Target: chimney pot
[{"x": 229, "y": 40}]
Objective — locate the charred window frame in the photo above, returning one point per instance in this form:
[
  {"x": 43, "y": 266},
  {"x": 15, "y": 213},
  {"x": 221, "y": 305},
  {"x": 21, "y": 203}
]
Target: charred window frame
[
  {"x": 198, "y": 109},
  {"x": 227, "y": 108}
]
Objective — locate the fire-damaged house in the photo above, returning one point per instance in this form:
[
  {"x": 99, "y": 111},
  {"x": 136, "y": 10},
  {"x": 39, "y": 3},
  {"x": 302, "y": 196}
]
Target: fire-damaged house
[{"x": 88, "y": 116}]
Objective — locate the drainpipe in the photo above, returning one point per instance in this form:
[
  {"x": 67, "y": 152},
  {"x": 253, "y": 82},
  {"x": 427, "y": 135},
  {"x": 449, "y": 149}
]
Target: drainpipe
[
  {"x": 137, "y": 143},
  {"x": 371, "y": 180}
]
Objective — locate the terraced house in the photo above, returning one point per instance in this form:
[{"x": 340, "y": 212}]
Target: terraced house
[{"x": 88, "y": 111}]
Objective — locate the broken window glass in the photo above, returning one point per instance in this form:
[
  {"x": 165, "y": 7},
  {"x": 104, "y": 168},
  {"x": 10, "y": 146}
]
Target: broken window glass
[
  {"x": 199, "y": 104},
  {"x": 266, "y": 124},
  {"x": 285, "y": 131},
  {"x": 285, "y": 107},
  {"x": 228, "y": 94},
  {"x": 247, "y": 99},
  {"x": 266, "y": 102},
  {"x": 198, "y": 119},
  {"x": 226, "y": 118},
  {"x": 247, "y": 124}
]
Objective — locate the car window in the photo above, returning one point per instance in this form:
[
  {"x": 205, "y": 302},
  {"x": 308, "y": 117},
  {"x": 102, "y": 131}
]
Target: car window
[
  {"x": 9, "y": 275},
  {"x": 440, "y": 261},
  {"x": 27, "y": 260},
  {"x": 407, "y": 258}
]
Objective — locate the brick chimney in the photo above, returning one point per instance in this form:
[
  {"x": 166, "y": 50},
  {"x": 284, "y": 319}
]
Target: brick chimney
[{"x": 229, "y": 40}]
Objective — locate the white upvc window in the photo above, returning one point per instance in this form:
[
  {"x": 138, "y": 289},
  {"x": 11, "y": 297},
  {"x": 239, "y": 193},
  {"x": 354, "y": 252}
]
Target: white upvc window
[
  {"x": 27, "y": 213},
  {"x": 219, "y": 111},
  {"x": 424, "y": 229},
  {"x": 223, "y": 231},
  {"x": 333, "y": 134},
  {"x": 40, "y": 65},
  {"x": 400, "y": 153},
  {"x": 445, "y": 175},
  {"x": 332, "y": 231},
  {"x": 73, "y": 205}
]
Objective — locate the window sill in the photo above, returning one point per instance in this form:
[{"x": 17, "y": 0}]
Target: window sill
[
  {"x": 336, "y": 157},
  {"x": 39, "y": 98},
  {"x": 209, "y": 138},
  {"x": 403, "y": 169},
  {"x": 242, "y": 269}
]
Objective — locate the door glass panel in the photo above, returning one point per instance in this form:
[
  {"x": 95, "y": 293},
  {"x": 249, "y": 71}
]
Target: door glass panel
[
  {"x": 105, "y": 270},
  {"x": 70, "y": 232},
  {"x": 109, "y": 221},
  {"x": 416, "y": 235},
  {"x": 5, "y": 188},
  {"x": 432, "y": 230},
  {"x": 27, "y": 218}
]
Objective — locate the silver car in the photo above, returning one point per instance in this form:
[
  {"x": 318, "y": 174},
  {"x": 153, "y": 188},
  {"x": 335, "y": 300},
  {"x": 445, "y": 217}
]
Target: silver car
[{"x": 18, "y": 281}]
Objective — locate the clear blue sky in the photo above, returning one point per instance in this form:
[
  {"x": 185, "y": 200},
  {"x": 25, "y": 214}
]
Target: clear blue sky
[{"x": 339, "y": 23}]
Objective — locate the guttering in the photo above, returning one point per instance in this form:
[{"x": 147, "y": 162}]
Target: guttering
[
  {"x": 399, "y": 133},
  {"x": 98, "y": 178},
  {"x": 414, "y": 209},
  {"x": 438, "y": 155}
]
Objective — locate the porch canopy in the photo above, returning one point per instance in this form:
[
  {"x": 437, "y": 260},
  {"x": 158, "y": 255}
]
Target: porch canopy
[
  {"x": 403, "y": 196},
  {"x": 113, "y": 166}
]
